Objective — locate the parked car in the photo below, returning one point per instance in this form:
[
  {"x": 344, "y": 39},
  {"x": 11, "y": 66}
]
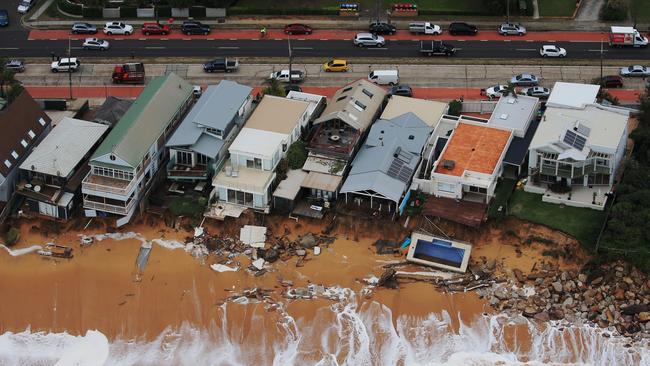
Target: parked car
[
  {"x": 15, "y": 65},
  {"x": 401, "y": 90},
  {"x": 384, "y": 77},
  {"x": 291, "y": 87},
  {"x": 4, "y": 18},
  {"x": 221, "y": 64},
  {"x": 111, "y": 28},
  {"x": 297, "y": 28},
  {"x": 458, "y": 28},
  {"x": 65, "y": 65},
  {"x": 495, "y": 91},
  {"x": 550, "y": 50},
  {"x": 425, "y": 28},
  {"x": 155, "y": 28},
  {"x": 610, "y": 81},
  {"x": 25, "y": 5},
  {"x": 283, "y": 76},
  {"x": 193, "y": 27},
  {"x": 635, "y": 70},
  {"x": 524, "y": 80},
  {"x": 510, "y": 29},
  {"x": 83, "y": 28},
  {"x": 369, "y": 39},
  {"x": 335, "y": 65},
  {"x": 536, "y": 91},
  {"x": 95, "y": 44},
  {"x": 382, "y": 28}
]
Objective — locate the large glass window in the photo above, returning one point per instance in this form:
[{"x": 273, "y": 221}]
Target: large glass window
[
  {"x": 240, "y": 198},
  {"x": 183, "y": 158},
  {"x": 201, "y": 159},
  {"x": 446, "y": 187},
  {"x": 255, "y": 163}
]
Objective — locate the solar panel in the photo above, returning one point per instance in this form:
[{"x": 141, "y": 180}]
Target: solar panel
[
  {"x": 574, "y": 140},
  {"x": 400, "y": 171}
]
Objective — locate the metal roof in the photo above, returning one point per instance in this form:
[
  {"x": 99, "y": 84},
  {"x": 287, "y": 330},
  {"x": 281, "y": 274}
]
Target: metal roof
[
  {"x": 519, "y": 146},
  {"x": 290, "y": 186},
  {"x": 572, "y": 95},
  {"x": 515, "y": 113},
  {"x": 146, "y": 119},
  {"x": 428, "y": 111},
  {"x": 276, "y": 114},
  {"x": 342, "y": 104},
  {"x": 64, "y": 147},
  {"x": 208, "y": 145}
]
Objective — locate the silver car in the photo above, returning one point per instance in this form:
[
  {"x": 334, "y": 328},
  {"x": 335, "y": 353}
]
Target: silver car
[
  {"x": 510, "y": 29},
  {"x": 524, "y": 80},
  {"x": 635, "y": 70},
  {"x": 369, "y": 39},
  {"x": 95, "y": 44},
  {"x": 536, "y": 91}
]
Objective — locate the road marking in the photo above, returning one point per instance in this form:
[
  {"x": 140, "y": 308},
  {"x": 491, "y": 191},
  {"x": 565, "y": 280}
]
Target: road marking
[
  {"x": 164, "y": 39},
  {"x": 232, "y": 39},
  {"x": 550, "y": 41},
  {"x": 483, "y": 40},
  {"x": 324, "y": 39},
  {"x": 604, "y": 50},
  {"x": 507, "y": 40},
  {"x": 461, "y": 40},
  {"x": 277, "y": 39},
  {"x": 186, "y": 39},
  {"x": 529, "y": 40},
  {"x": 379, "y": 48},
  {"x": 155, "y": 48},
  {"x": 210, "y": 39},
  {"x": 142, "y": 39},
  {"x": 9, "y": 48},
  {"x": 228, "y": 48},
  {"x": 301, "y": 39},
  {"x": 526, "y": 49},
  {"x": 303, "y": 48}
]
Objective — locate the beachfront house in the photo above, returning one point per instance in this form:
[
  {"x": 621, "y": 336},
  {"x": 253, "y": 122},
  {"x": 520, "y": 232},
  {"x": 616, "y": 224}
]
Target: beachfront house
[
  {"x": 50, "y": 177},
  {"x": 199, "y": 147},
  {"x": 337, "y": 135},
  {"x": 23, "y": 124},
  {"x": 245, "y": 181},
  {"x": 577, "y": 149},
  {"x": 124, "y": 167},
  {"x": 428, "y": 111},
  {"x": 381, "y": 172}
]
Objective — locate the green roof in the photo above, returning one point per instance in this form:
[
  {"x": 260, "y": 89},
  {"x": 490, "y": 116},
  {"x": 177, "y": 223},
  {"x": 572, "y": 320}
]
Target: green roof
[{"x": 146, "y": 119}]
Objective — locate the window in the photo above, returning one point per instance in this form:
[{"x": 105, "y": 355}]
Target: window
[
  {"x": 23, "y": 142},
  {"x": 41, "y": 121},
  {"x": 214, "y": 131},
  {"x": 240, "y": 198},
  {"x": 31, "y": 134},
  {"x": 183, "y": 157},
  {"x": 256, "y": 163},
  {"x": 14, "y": 154},
  {"x": 368, "y": 93},
  {"x": 602, "y": 162},
  {"x": 446, "y": 187},
  {"x": 8, "y": 163},
  {"x": 347, "y": 89},
  {"x": 360, "y": 106},
  {"x": 478, "y": 190},
  {"x": 201, "y": 159}
]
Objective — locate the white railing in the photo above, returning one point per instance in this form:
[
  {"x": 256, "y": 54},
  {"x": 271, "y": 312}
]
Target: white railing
[
  {"x": 86, "y": 185},
  {"x": 122, "y": 210},
  {"x": 479, "y": 106}
]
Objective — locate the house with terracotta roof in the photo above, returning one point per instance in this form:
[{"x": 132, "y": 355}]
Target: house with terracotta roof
[{"x": 23, "y": 124}]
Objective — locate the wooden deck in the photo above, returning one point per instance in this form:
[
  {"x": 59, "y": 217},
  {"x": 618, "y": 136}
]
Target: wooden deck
[{"x": 467, "y": 213}]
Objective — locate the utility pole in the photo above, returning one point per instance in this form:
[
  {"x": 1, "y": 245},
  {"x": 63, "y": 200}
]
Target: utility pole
[
  {"x": 290, "y": 61},
  {"x": 507, "y": 11},
  {"x": 69, "y": 67}
]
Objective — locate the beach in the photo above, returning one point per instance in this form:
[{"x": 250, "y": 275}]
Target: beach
[{"x": 180, "y": 311}]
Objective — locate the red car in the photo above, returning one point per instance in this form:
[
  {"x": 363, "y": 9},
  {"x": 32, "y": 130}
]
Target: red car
[
  {"x": 155, "y": 28},
  {"x": 297, "y": 29}
]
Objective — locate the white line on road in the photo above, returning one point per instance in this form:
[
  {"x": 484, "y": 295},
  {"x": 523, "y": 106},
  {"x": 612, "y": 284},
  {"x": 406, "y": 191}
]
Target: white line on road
[
  {"x": 303, "y": 48},
  {"x": 526, "y": 49},
  {"x": 232, "y": 39},
  {"x": 378, "y": 48},
  {"x": 604, "y": 50},
  {"x": 142, "y": 39},
  {"x": 9, "y": 48},
  {"x": 155, "y": 48},
  {"x": 228, "y": 48},
  {"x": 483, "y": 40}
]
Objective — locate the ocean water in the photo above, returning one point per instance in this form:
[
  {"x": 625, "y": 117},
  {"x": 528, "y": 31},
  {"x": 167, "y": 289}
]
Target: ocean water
[{"x": 343, "y": 333}]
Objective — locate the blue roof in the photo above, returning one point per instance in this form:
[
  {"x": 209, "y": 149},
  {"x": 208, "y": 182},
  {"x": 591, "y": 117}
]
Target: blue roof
[{"x": 439, "y": 251}]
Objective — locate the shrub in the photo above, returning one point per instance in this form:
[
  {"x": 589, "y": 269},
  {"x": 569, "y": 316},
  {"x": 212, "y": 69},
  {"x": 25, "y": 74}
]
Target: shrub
[
  {"x": 282, "y": 11},
  {"x": 197, "y": 12},
  {"x": 297, "y": 155},
  {"x": 560, "y": 187},
  {"x": 164, "y": 11},
  {"x": 128, "y": 12},
  {"x": 70, "y": 8},
  {"x": 92, "y": 12},
  {"x": 455, "y": 107},
  {"x": 12, "y": 236},
  {"x": 614, "y": 10}
]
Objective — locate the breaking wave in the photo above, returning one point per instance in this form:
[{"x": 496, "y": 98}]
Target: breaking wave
[{"x": 344, "y": 333}]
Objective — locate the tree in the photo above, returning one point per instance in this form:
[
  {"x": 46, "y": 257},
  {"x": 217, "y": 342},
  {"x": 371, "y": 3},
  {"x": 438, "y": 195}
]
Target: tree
[
  {"x": 273, "y": 88},
  {"x": 14, "y": 91},
  {"x": 180, "y": 3},
  {"x": 297, "y": 155}
]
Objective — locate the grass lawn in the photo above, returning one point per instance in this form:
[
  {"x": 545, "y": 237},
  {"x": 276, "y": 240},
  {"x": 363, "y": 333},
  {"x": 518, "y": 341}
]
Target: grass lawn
[
  {"x": 557, "y": 8},
  {"x": 582, "y": 223},
  {"x": 187, "y": 205},
  {"x": 641, "y": 9},
  {"x": 501, "y": 196},
  {"x": 437, "y": 5}
]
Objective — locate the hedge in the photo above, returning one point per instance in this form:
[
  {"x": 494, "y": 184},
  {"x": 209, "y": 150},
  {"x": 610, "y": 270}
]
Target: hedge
[
  {"x": 70, "y": 8},
  {"x": 93, "y": 12},
  {"x": 197, "y": 12},
  {"x": 275, "y": 11},
  {"x": 454, "y": 12},
  {"x": 128, "y": 12},
  {"x": 164, "y": 11}
]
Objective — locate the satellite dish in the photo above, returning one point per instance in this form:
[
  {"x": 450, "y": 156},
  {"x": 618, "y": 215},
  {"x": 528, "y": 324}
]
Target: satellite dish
[{"x": 37, "y": 188}]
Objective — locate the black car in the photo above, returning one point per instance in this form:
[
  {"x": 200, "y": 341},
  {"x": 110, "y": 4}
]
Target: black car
[
  {"x": 83, "y": 28},
  {"x": 291, "y": 87},
  {"x": 194, "y": 27},
  {"x": 221, "y": 65},
  {"x": 382, "y": 28},
  {"x": 458, "y": 28},
  {"x": 4, "y": 18},
  {"x": 401, "y": 90}
]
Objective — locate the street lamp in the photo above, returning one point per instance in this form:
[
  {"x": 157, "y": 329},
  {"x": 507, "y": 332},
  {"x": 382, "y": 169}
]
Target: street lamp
[{"x": 601, "y": 59}]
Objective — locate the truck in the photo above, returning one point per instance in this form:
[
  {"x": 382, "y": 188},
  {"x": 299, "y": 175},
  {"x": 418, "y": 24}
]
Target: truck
[
  {"x": 129, "y": 73},
  {"x": 425, "y": 28},
  {"x": 283, "y": 76},
  {"x": 437, "y": 48},
  {"x": 626, "y": 37},
  {"x": 221, "y": 64}
]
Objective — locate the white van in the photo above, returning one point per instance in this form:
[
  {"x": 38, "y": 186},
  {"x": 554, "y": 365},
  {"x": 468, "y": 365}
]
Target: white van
[{"x": 384, "y": 77}]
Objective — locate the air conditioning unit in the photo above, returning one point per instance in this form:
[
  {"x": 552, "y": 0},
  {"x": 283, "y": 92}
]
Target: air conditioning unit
[{"x": 448, "y": 164}]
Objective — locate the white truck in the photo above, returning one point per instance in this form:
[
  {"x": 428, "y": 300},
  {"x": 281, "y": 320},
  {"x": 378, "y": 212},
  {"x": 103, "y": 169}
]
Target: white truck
[
  {"x": 283, "y": 76},
  {"x": 425, "y": 28},
  {"x": 626, "y": 37}
]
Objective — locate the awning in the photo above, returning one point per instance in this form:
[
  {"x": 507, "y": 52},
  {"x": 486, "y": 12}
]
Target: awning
[
  {"x": 325, "y": 182},
  {"x": 290, "y": 186}
]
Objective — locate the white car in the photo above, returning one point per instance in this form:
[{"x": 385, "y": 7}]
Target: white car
[
  {"x": 95, "y": 44},
  {"x": 495, "y": 91},
  {"x": 283, "y": 76},
  {"x": 118, "y": 28},
  {"x": 635, "y": 70},
  {"x": 25, "y": 5},
  {"x": 550, "y": 50},
  {"x": 369, "y": 39},
  {"x": 65, "y": 65}
]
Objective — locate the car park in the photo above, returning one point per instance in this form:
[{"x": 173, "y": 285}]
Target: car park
[
  {"x": 25, "y": 5},
  {"x": 95, "y": 44},
  {"x": 120, "y": 28},
  {"x": 190, "y": 27},
  {"x": 459, "y": 28},
  {"x": 524, "y": 80},
  {"x": 610, "y": 81},
  {"x": 83, "y": 28},
  {"x": 536, "y": 91},
  {"x": 4, "y": 18},
  {"x": 401, "y": 90},
  {"x": 510, "y": 29},
  {"x": 368, "y": 39},
  {"x": 65, "y": 65},
  {"x": 635, "y": 70},
  {"x": 221, "y": 64},
  {"x": 15, "y": 65},
  {"x": 551, "y": 50},
  {"x": 155, "y": 28},
  {"x": 335, "y": 65},
  {"x": 495, "y": 91},
  {"x": 297, "y": 28},
  {"x": 382, "y": 28}
]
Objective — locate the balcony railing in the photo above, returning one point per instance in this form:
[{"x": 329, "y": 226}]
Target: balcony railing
[
  {"x": 575, "y": 172},
  {"x": 186, "y": 171},
  {"x": 99, "y": 183},
  {"x": 121, "y": 210}
]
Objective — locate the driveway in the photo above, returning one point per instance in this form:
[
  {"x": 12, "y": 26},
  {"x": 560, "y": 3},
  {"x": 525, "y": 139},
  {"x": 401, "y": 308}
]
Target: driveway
[{"x": 589, "y": 10}]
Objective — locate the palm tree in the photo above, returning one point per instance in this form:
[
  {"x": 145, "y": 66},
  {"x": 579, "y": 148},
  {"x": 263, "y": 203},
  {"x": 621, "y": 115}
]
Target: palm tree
[
  {"x": 273, "y": 88},
  {"x": 510, "y": 90}
]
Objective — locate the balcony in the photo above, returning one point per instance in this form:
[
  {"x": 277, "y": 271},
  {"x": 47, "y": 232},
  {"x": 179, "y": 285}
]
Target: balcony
[
  {"x": 107, "y": 207},
  {"x": 576, "y": 171},
  {"x": 39, "y": 191},
  {"x": 185, "y": 171},
  {"x": 100, "y": 183}
]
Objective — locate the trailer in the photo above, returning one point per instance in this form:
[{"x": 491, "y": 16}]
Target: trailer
[{"x": 437, "y": 48}]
